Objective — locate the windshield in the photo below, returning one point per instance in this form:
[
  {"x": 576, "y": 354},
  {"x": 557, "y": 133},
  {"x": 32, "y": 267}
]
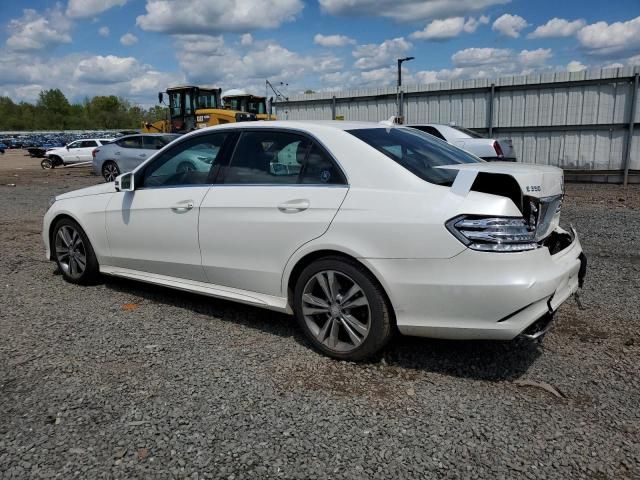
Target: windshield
[
  {"x": 257, "y": 107},
  {"x": 418, "y": 152},
  {"x": 466, "y": 131},
  {"x": 207, "y": 100}
]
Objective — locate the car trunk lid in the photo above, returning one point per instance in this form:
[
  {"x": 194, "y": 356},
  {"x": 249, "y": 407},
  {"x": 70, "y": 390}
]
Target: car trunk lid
[{"x": 536, "y": 190}]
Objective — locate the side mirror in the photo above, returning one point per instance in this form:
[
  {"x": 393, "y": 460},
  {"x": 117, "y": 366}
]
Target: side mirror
[
  {"x": 160, "y": 97},
  {"x": 67, "y": 147},
  {"x": 125, "y": 182}
]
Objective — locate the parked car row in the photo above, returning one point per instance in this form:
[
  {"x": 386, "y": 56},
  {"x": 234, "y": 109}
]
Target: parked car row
[{"x": 358, "y": 229}]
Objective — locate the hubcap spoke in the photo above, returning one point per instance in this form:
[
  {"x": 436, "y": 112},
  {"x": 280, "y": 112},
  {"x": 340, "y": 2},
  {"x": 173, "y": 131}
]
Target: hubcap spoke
[
  {"x": 333, "y": 336},
  {"x": 333, "y": 287},
  {"x": 81, "y": 262},
  {"x": 315, "y": 301},
  {"x": 322, "y": 281},
  {"x": 358, "y": 302},
  {"x": 350, "y": 293},
  {"x": 322, "y": 334},
  {"x": 355, "y": 324},
  {"x": 355, "y": 339},
  {"x": 64, "y": 236}
]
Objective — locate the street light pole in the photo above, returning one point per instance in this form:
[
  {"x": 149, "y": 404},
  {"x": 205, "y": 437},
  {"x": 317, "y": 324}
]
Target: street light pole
[{"x": 399, "y": 86}]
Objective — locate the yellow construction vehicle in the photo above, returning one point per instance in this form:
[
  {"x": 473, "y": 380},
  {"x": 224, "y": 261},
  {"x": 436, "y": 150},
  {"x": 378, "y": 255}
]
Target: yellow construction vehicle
[
  {"x": 193, "y": 107},
  {"x": 245, "y": 102}
]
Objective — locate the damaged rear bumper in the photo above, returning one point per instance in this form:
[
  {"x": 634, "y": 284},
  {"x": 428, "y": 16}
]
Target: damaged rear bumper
[{"x": 484, "y": 295}]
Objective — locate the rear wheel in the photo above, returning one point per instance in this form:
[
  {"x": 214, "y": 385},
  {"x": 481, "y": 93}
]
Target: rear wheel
[
  {"x": 73, "y": 253},
  {"x": 342, "y": 309},
  {"x": 110, "y": 171}
]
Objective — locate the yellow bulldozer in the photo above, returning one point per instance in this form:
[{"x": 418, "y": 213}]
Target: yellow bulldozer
[
  {"x": 240, "y": 100},
  {"x": 192, "y": 107}
]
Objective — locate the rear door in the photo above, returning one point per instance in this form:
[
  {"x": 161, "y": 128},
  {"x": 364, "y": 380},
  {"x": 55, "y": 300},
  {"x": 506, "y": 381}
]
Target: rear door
[
  {"x": 279, "y": 191},
  {"x": 129, "y": 153}
]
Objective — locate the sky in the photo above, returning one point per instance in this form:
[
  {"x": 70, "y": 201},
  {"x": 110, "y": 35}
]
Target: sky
[{"x": 136, "y": 48}]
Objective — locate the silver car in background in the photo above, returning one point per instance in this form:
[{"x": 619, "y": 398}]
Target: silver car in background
[
  {"x": 489, "y": 149},
  {"x": 126, "y": 153}
]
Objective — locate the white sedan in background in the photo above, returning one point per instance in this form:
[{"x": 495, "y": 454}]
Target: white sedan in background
[
  {"x": 355, "y": 228},
  {"x": 489, "y": 149}
]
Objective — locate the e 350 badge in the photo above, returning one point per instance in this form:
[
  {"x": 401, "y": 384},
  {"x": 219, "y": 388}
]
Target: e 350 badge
[{"x": 534, "y": 188}]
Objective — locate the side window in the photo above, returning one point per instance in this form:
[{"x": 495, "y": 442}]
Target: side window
[
  {"x": 188, "y": 163},
  {"x": 267, "y": 157},
  {"x": 130, "y": 142},
  {"x": 89, "y": 143},
  {"x": 320, "y": 169},
  {"x": 75, "y": 144},
  {"x": 153, "y": 143}
]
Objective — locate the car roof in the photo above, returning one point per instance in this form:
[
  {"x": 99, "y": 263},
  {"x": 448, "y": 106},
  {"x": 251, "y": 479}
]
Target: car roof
[{"x": 309, "y": 125}]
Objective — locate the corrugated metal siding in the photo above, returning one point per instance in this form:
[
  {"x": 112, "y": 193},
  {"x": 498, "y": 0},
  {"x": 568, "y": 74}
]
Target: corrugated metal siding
[{"x": 602, "y": 109}]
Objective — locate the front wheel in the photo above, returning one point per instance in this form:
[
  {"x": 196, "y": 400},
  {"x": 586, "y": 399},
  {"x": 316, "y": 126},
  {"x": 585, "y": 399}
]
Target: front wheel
[
  {"x": 46, "y": 164},
  {"x": 342, "y": 309},
  {"x": 110, "y": 171},
  {"x": 73, "y": 253}
]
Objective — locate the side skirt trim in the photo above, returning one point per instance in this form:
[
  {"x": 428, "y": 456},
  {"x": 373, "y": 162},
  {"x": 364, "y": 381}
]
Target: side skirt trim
[{"x": 218, "y": 291}]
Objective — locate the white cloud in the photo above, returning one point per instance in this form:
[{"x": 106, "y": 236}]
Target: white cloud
[
  {"x": 472, "y": 57},
  {"x": 407, "y": 10},
  {"x": 128, "y": 39},
  {"x": 34, "y": 31},
  {"x": 509, "y": 25},
  {"x": 534, "y": 58},
  {"x": 207, "y": 60},
  {"x": 90, "y": 8},
  {"x": 332, "y": 40},
  {"x": 22, "y": 77},
  {"x": 575, "y": 66},
  {"x": 211, "y": 17},
  {"x": 449, "y": 28},
  {"x": 104, "y": 31},
  {"x": 373, "y": 55},
  {"x": 603, "y": 39},
  {"x": 557, "y": 27},
  {"x": 106, "y": 69},
  {"x": 246, "y": 40}
]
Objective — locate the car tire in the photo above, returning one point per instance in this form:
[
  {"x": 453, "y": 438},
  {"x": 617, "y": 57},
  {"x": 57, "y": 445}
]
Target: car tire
[
  {"x": 73, "y": 253},
  {"x": 342, "y": 309},
  {"x": 46, "y": 164},
  {"x": 110, "y": 171}
]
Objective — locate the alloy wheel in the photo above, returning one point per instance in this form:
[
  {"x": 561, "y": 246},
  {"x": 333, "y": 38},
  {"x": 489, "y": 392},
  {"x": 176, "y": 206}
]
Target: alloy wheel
[
  {"x": 110, "y": 172},
  {"x": 70, "y": 251},
  {"x": 336, "y": 310}
]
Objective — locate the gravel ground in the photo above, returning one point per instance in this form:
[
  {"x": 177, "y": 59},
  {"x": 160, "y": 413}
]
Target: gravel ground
[{"x": 127, "y": 380}]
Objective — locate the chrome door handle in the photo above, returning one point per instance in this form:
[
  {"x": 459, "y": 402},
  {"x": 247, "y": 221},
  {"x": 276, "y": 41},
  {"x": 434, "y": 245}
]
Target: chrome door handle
[
  {"x": 142, "y": 155},
  {"x": 117, "y": 153},
  {"x": 294, "y": 206},
  {"x": 182, "y": 207}
]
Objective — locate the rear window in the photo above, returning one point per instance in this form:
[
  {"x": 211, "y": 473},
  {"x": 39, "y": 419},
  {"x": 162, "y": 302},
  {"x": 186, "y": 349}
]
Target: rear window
[
  {"x": 466, "y": 131},
  {"x": 418, "y": 152}
]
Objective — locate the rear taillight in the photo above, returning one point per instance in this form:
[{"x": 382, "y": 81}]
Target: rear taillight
[
  {"x": 493, "y": 234},
  {"x": 95, "y": 150},
  {"x": 498, "y": 149}
]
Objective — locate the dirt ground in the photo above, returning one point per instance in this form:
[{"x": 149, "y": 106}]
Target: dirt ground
[{"x": 127, "y": 380}]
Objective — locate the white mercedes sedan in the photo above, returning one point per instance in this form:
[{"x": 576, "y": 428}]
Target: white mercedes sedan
[{"x": 357, "y": 229}]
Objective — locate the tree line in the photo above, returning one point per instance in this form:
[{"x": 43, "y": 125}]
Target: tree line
[{"x": 52, "y": 111}]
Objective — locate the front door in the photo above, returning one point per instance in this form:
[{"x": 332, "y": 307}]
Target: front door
[
  {"x": 279, "y": 191},
  {"x": 154, "y": 229}
]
